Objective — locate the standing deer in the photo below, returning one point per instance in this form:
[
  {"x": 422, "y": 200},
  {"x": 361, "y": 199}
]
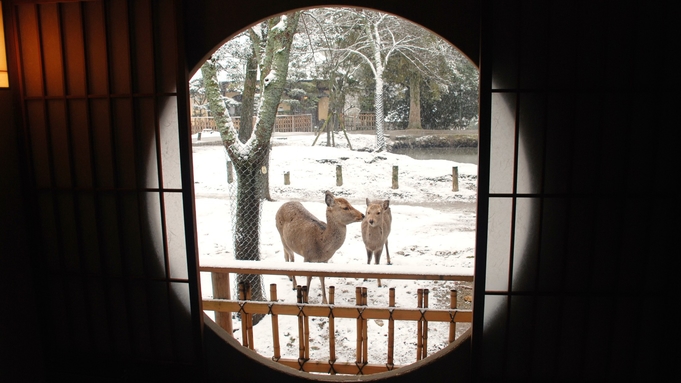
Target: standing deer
[
  {"x": 302, "y": 233},
  {"x": 375, "y": 230}
]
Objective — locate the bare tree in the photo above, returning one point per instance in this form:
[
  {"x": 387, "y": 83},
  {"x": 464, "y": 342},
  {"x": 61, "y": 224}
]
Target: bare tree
[
  {"x": 249, "y": 148},
  {"x": 197, "y": 93},
  {"x": 319, "y": 39},
  {"x": 376, "y": 38},
  {"x": 395, "y": 51}
]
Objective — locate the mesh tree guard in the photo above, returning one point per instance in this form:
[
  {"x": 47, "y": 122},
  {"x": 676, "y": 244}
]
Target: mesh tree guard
[{"x": 247, "y": 191}]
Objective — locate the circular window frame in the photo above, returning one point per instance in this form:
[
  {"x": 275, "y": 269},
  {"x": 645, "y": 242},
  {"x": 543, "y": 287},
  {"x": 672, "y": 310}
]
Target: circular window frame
[{"x": 438, "y": 357}]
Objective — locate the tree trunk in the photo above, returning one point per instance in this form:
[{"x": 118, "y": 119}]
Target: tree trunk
[
  {"x": 414, "y": 102},
  {"x": 250, "y": 156},
  {"x": 329, "y": 127},
  {"x": 247, "y": 226},
  {"x": 246, "y": 128},
  {"x": 265, "y": 176},
  {"x": 248, "y": 98},
  {"x": 336, "y": 103},
  {"x": 378, "y": 100},
  {"x": 372, "y": 32}
]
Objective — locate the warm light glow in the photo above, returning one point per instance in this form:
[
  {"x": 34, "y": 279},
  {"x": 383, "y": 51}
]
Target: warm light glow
[{"x": 4, "y": 78}]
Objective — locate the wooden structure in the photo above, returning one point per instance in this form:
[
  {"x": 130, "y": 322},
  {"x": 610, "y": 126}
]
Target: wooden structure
[
  {"x": 362, "y": 121},
  {"x": 422, "y": 314},
  {"x": 293, "y": 123},
  {"x": 283, "y": 123}
]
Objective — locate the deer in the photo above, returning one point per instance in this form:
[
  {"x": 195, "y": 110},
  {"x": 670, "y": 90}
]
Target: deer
[
  {"x": 375, "y": 230},
  {"x": 316, "y": 241}
]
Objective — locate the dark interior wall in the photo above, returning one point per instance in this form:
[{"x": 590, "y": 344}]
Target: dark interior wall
[
  {"x": 18, "y": 317},
  {"x": 456, "y": 21},
  {"x": 596, "y": 303},
  {"x": 580, "y": 98},
  {"x": 19, "y": 342},
  {"x": 96, "y": 146}
]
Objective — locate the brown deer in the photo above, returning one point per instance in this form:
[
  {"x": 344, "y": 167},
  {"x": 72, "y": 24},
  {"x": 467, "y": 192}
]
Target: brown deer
[
  {"x": 375, "y": 230},
  {"x": 302, "y": 233}
]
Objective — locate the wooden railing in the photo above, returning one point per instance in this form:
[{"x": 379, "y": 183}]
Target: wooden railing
[
  {"x": 221, "y": 303},
  {"x": 363, "y": 121},
  {"x": 283, "y": 123},
  {"x": 292, "y": 123}
]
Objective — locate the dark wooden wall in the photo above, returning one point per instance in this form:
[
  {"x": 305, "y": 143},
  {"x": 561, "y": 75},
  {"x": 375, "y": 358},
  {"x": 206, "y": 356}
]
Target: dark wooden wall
[{"x": 576, "y": 216}]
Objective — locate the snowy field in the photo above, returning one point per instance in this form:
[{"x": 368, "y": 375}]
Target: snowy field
[{"x": 432, "y": 227}]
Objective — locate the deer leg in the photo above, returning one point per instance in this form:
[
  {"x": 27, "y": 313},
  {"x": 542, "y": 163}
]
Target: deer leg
[
  {"x": 369, "y": 253},
  {"x": 387, "y": 253},
  {"x": 377, "y": 255},
  {"x": 377, "y": 258},
  {"x": 324, "y": 301},
  {"x": 289, "y": 256},
  {"x": 309, "y": 282},
  {"x": 321, "y": 279}
]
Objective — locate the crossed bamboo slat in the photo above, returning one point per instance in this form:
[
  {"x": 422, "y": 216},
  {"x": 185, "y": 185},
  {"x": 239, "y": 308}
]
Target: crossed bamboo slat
[
  {"x": 332, "y": 332},
  {"x": 303, "y": 310},
  {"x": 422, "y": 325},
  {"x": 319, "y": 310}
]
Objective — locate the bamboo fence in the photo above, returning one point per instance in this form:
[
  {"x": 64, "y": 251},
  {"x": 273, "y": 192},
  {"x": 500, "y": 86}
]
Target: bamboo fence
[
  {"x": 291, "y": 123},
  {"x": 283, "y": 123},
  {"x": 303, "y": 310}
]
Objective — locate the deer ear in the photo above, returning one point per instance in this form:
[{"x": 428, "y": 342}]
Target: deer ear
[
  {"x": 329, "y": 199},
  {"x": 368, "y": 203},
  {"x": 386, "y": 204}
]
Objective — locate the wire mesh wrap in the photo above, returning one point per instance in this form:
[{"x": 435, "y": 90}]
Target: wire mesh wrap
[{"x": 247, "y": 189}]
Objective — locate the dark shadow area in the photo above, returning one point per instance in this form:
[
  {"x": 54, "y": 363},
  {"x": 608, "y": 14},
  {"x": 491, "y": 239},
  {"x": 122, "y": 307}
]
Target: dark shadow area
[{"x": 590, "y": 303}]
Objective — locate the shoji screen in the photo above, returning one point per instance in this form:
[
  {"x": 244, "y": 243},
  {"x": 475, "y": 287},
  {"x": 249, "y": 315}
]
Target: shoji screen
[
  {"x": 527, "y": 301},
  {"x": 105, "y": 129},
  {"x": 569, "y": 222}
]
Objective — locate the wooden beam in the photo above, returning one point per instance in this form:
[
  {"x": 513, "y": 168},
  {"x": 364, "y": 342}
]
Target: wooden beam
[
  {"x": 253, "y": 307},
  {"x": 348, "y": 368},
  {"x": 340, "y": 271}
]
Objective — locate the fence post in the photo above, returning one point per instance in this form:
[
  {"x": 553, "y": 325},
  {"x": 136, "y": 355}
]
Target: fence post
[
  {"x": 425, "y": 325},
  {"x": 365, "y": 331},
  {"x": 452, "y": 304},
  {"x": 221, "y": 291},
  {"x": 358, "y": 302},
  {"x": 332, "y": 330},
  {"x": 339, "y": 175},
  {"x": 244, "y": 316},
  {"x": 391, "y": 328},
  {"x": 287, "y": 178},
  {"x": 395, "y": 182},
  {"x": 301, "y": 328},
  {"x": 455, "y": 178},
  {"x": 306, "y": 323},
  {"x": 249, "y": 319},
  {"x": 275, "y": 323},
  {"x": 419, "y": 326}
]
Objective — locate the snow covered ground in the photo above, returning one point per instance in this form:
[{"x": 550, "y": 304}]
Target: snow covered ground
[{"x": 432, "y": 226}]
